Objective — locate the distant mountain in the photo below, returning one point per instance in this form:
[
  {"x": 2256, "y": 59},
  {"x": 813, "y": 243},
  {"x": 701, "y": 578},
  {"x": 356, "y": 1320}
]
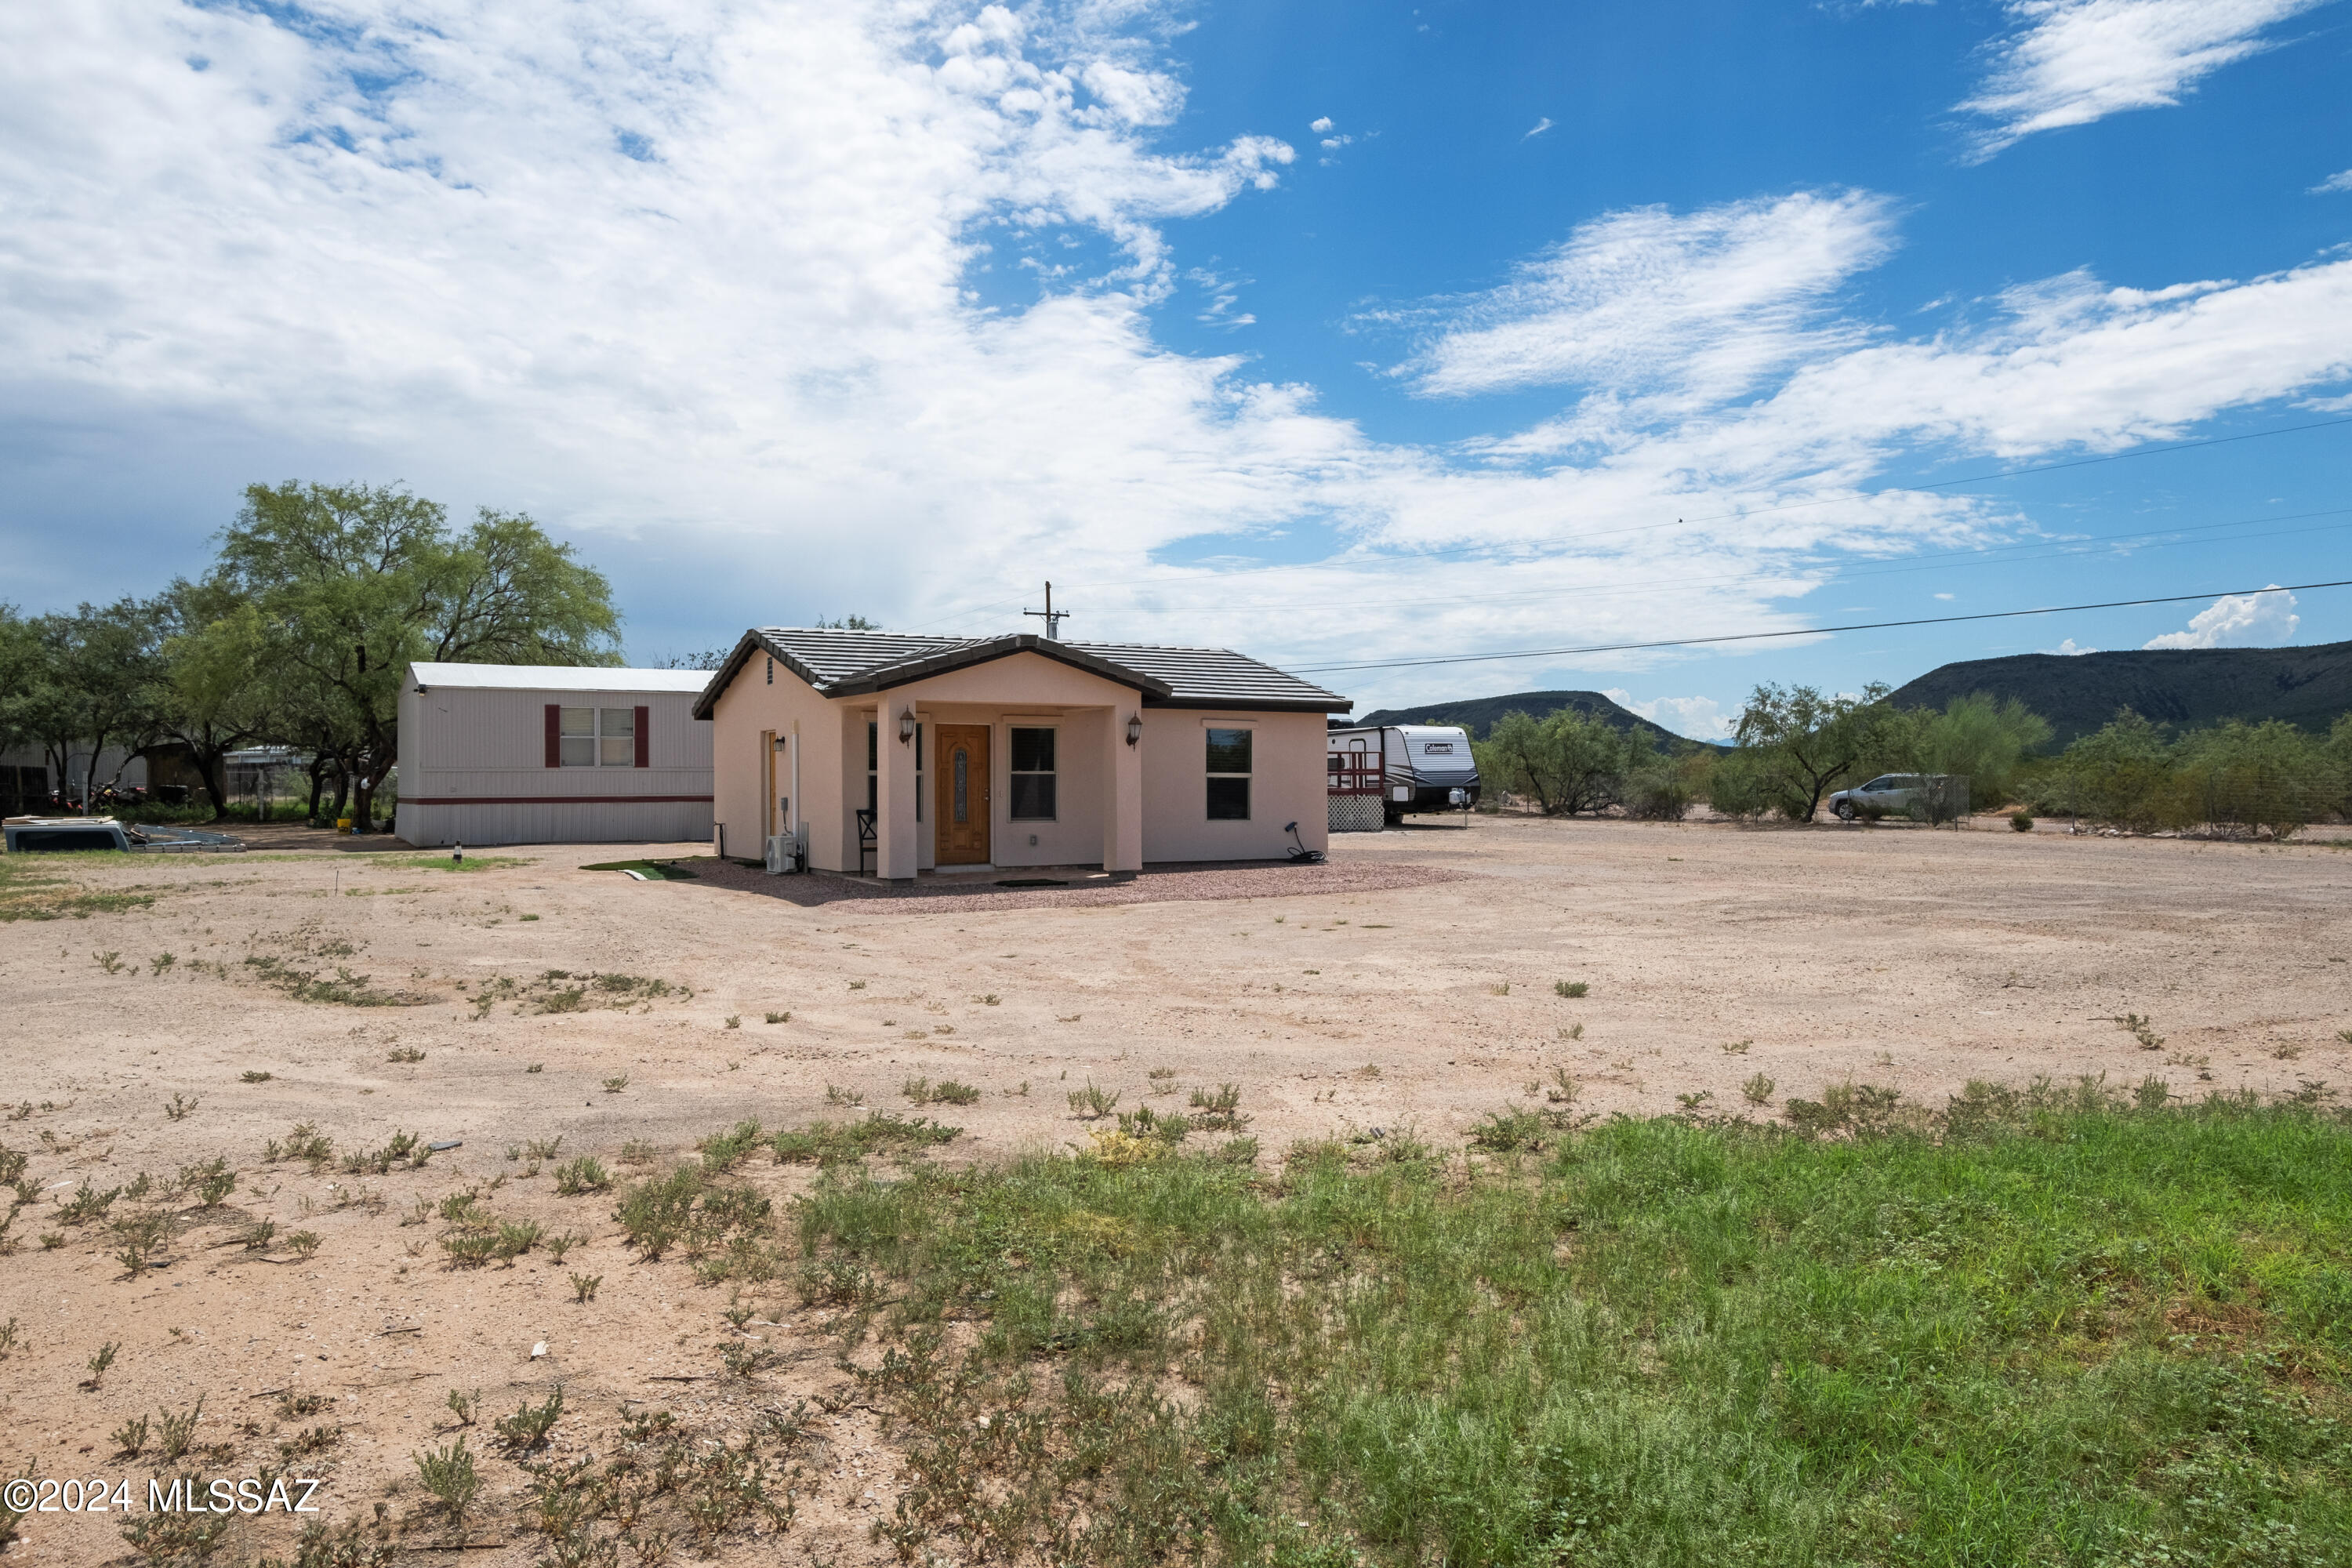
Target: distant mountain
[
  {"x": 2186, "y": 687},
  {"x": 1477, "y": 714}
]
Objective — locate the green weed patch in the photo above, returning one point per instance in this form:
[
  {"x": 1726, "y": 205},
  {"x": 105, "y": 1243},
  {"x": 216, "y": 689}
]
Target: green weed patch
[
  {"x": 2042, "y": 1327},
  {"x": 443, "y": 862},
  {"x": 30, "y": 890}
]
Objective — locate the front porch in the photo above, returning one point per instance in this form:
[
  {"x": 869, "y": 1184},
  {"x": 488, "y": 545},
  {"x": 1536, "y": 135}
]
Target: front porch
[{"x": 965, "y": 789}]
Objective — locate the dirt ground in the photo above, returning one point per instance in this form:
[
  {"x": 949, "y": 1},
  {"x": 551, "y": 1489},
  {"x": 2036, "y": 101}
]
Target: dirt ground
[{"x": 1409, "y": 984}]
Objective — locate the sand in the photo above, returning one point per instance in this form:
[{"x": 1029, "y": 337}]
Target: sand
[{"x": 1409, "y": 984}]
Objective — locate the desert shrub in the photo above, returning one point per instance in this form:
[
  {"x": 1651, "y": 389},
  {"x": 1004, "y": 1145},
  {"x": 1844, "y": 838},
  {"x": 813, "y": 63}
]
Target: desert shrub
[
  {"x": 449, "y": 1475},
  {"x": 722, "y": 1150},
  {"x": 1747, "y": 784},
  {"x": 583, "y": 1174}
]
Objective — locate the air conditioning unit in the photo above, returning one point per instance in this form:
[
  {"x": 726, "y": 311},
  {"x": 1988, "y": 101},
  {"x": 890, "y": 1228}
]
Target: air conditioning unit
[{"x": 782, "y": 854}]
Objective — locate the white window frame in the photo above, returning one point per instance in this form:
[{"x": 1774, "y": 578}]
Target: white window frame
[{"x": 596, "y": 736}]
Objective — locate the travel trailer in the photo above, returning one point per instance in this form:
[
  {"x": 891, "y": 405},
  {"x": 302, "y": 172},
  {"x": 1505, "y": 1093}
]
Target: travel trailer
[{"x": 1421, "y": 767}]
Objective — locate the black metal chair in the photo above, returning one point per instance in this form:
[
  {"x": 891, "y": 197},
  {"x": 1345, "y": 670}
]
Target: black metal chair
[{"x": 868, "y": 842}]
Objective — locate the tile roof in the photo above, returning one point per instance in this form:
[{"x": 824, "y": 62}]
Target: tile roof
[{"x": 847, "y": 663}]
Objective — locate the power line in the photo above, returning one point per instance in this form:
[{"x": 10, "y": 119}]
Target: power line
[
  {"x": 1806, "y": 631},
  {"x": 1405, "y": 558},
  {"x": 2049, "y": 549}
]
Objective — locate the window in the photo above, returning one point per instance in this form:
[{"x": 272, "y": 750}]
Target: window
[
  {"x": 600, "y": 737},
  {"x": 1229, "y": 776},
  {"x": 1033, "y": 775}
]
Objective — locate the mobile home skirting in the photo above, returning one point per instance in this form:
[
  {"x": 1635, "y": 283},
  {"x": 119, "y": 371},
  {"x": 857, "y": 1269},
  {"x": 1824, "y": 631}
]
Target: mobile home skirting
[{"x": 603, "y": 820}]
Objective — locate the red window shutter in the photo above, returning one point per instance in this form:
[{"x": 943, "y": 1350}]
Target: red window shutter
[
  {"x": 644, "y": 738},
  {"x": 555, "y": 736}
]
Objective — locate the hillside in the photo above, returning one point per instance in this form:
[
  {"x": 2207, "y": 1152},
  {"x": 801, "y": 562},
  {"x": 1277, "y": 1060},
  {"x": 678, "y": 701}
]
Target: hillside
[
  {"x": 1477, "y": 714},
  {"x": 2189, "y": 687}
]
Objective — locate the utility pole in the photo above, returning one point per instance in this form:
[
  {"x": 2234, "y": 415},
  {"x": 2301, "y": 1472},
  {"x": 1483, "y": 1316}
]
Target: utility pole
[{"x": 1050, "y": 616}]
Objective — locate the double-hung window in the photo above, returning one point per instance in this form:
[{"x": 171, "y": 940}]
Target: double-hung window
[
  {"x": 1229, "y": 776},
  {"x": 599, "y": 737},
  {"x": 1033, "y": 775}
]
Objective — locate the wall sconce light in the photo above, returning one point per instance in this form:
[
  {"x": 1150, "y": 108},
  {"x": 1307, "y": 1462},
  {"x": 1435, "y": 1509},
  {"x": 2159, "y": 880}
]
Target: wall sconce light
[
  {"x": 906, "y": 726},
  {"x": 778, "y": 743},
  {"x": 1134, "y": 728}
]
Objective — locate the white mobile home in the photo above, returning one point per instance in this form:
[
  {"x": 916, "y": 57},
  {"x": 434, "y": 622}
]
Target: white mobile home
[{"x": 517, "y": 753}]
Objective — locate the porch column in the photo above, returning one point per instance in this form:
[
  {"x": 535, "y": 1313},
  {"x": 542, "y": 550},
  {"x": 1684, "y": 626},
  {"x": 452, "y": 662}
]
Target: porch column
[
  {"x": 894, "y": 791},
  {"x": 1122, "y": 791}
]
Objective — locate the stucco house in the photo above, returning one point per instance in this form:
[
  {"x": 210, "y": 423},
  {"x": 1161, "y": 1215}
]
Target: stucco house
[{"x": 895, "y": 755}]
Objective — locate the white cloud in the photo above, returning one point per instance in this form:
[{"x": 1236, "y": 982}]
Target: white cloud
[
  {"x": 2068, "y": 649},
  {"x": 2238, "y": 620},
  {"x": 2334, "y": 185},
  {"x": 2070, "y": 62},
  {"x": 1319, "y": 124},
  {"x": 1710, "y": 302},
  {"x": 1540, "y": 127},
  {"x": 1699, "y": 717}
]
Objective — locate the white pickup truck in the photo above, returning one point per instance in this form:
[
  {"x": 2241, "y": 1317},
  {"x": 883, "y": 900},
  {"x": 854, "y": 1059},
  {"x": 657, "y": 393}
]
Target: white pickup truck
[{"x": 36, "y": 834}]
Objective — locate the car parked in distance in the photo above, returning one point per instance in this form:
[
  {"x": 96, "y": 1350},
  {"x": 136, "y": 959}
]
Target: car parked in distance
[
  {"x": 38, "y": 834},
  {"x": 1888, "y": 795}
]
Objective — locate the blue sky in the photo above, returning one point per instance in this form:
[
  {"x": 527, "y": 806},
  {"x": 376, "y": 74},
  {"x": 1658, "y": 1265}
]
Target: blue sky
[{"x": 1337, "y": 333}]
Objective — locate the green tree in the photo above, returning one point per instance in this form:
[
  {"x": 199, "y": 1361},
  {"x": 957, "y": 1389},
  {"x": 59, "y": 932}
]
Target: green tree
[
  {"x": 1565, "y": 763},
  {"x": 1816, "y": 741},
  {"x": 89, "y": 684},
  {"x": 354, "y": 583},
  {"x": 2270, "y": 774},
  {"x": 1982, "y": 738},
  {"x": 219, "y": 689},
  {"x": 2121, "y": 774}
]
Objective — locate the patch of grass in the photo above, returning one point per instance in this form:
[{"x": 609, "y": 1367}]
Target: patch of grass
[
  {"x": 615, "y": 1084},
  {"x": 2038, "y": 1325},
  {"x": 343, "y": 988},
  {"x": 1570, "y": 987},
  {"x": 685, "y": 1208},
  {"x": 28, "y": 892},
  {"x": 947, "y": 1091},
  {"x": 403, "y": 1054},
  {"x": 780, "y": 1018},
  {"x": 827, "y": 1143},
  {"x": 1090, "y": 1103},
  {"x": 583, "y": 1174},
  {"x": 722, "y": 1151},
  {"x": 471, "y": 864},
  {"x": 253, "y": 1075}
]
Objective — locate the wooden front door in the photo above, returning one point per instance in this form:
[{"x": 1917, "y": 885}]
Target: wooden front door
[{"x": 961, "y": 806}]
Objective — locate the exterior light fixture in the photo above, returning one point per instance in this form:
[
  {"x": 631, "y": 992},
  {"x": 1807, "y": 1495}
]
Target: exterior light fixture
[
  {"x": 778, "y": 742},
  {"x": 906, "y": 726},
  {"x": 1134, "y": 728}
]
